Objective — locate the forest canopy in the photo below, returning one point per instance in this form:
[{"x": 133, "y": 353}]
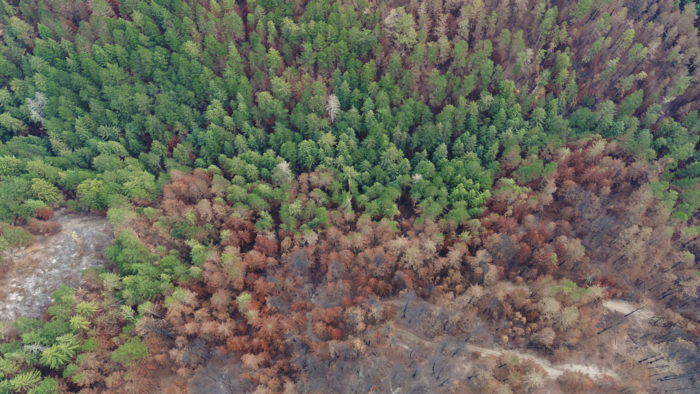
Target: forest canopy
[{"x": 280, "y": 175}]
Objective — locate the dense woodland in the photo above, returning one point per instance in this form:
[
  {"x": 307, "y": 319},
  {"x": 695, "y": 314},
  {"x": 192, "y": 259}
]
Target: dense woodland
[{"x": 296, "y": 187}]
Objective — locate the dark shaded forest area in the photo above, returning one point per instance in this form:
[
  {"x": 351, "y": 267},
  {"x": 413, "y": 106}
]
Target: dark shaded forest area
[{"x": 357, "y": 196}]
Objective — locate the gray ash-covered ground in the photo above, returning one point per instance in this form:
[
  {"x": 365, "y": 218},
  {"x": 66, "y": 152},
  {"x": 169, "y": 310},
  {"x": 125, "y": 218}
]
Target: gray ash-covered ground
[{"x": 29, "y": 275}]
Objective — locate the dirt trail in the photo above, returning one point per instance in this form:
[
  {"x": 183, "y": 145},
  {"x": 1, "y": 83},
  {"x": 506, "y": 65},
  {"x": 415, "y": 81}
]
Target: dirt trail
[
  {"x": 553, "y": 370},
  {"x": 594, "y": 371},
  {"x": 29, "y": 275},
  {"x": 628, "y": 309}
]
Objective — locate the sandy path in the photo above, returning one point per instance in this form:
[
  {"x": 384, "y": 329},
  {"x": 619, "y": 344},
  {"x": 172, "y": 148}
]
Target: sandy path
[
  {"x": 594, "y": 371},
  {"x": 553, "y": 370},
  {"x": 627, "y": 308}
]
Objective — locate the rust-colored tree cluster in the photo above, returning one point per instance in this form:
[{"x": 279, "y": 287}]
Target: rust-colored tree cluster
[{"x": 294, "y": 307}]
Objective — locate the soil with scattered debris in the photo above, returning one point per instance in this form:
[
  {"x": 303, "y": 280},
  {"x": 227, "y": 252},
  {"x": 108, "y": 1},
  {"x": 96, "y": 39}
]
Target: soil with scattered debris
[{"x": 29, "y": 275}]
